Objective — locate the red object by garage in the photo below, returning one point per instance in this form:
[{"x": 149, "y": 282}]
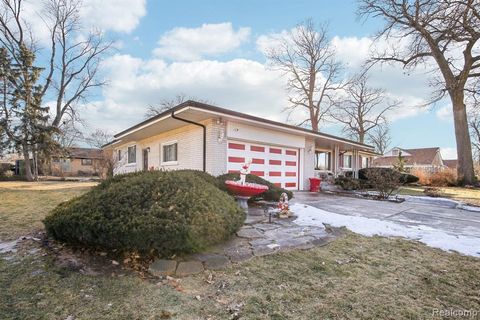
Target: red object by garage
[{"x": 315, "y": 184}]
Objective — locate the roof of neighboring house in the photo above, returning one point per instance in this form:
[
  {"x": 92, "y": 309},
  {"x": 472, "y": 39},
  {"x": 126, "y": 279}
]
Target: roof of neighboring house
[
  {"x": 84, "y": 153},
  {"x": 452, "y": 164},
  {"x": 420, "y": 156},
  {"x": 208, "y": 107}
]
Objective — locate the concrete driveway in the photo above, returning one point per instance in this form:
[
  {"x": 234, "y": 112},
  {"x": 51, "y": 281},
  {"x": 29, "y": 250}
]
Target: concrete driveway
[{"x": 451, "y": 221}]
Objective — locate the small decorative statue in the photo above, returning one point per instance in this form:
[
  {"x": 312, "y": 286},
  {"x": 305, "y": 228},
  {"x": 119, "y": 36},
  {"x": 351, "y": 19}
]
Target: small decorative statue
[
  {"x": 244, "y": 171},
  {"x": 283, "y": 208}
]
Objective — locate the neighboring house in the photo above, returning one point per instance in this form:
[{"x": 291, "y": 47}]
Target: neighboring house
[
  {"x": 451, "y": 164},
  {"x": 198, "y": 136},
  {"x": 78, "y": 162},
  {"x": 427, "y": 159}
]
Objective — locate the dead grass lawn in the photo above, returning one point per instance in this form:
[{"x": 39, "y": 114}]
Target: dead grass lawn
[{"x": 354, "y": 277}]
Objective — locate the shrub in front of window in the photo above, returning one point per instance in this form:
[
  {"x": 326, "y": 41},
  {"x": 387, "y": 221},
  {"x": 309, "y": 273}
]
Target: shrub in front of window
[
  {"x": 404, "y": 178},
  {"x": 272, "y": 194},
  {"x": 165, "y": 212},
  {"x": 348, "y": 183},
  {"x": 383, "y": 180}
]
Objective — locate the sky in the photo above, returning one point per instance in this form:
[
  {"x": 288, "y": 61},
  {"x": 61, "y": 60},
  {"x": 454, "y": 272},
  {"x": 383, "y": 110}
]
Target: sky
[{"x": 214, "y": 50}]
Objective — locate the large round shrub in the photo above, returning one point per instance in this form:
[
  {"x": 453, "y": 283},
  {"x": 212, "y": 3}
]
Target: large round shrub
[
  {"x": 272, "y": 194},
  {"x": 163, "y": 212}
]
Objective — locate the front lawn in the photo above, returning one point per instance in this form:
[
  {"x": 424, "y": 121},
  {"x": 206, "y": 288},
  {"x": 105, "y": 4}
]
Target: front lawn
[
  {"x": 353, "y": 277},
  {"x": 471, "y": 196},
  {"x": 23, "y": 205}
]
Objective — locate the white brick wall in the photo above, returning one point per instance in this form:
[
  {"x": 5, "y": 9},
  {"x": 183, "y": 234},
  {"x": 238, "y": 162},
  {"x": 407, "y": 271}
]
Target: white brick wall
[
  {"x": 308, "y": 162},
  {"x": 190, "y": 152},
  {"x": 216, "y": 147},
  {"x": 190, "y": 149}
]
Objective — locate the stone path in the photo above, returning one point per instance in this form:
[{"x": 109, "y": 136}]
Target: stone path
[{"x": 256, "y": 238}]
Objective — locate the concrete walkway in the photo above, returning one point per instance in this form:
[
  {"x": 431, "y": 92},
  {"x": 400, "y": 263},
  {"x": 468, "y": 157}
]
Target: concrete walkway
[{"x": 449, "y": 220}]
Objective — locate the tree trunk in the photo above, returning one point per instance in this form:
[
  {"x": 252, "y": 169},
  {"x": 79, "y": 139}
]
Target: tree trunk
[
  {"x": 28, "y": 165},
  {"x": 465, "y": 171}
]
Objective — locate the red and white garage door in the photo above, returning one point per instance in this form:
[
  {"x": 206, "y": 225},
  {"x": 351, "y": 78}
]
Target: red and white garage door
[{"x": 278, "y": 165}]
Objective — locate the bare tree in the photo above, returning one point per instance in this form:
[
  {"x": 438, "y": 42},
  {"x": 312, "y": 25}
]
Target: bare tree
[
  {"x": 475, "y": 135},
  {"x": 73, "y": 60},
  {"x": 108, "y": 162},
  {"x": 99, "y": 138},
  {"x": 363, "y": 109},
  {"x": 445, "y": 32},
  {"x": 306, "y": 56},
  {"x": 380, "y": 137},
  {"x": 166, "y": 104}
]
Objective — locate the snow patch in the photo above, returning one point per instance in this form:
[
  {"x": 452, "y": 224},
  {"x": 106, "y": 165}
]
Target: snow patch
[
  {"x": 311, "y": 216},
  {"x": 6, "y": 247}
]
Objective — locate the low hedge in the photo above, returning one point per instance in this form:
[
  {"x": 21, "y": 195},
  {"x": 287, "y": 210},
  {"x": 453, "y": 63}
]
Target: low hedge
[
  {"x": 272, "y": 194},
  {"x": 405, "y": 178},
  {"x": 156, "y": 212}
]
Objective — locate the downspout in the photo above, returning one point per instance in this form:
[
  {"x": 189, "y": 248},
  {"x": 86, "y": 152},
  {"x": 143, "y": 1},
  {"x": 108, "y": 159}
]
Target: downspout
[{"x": 204, "y": 137}]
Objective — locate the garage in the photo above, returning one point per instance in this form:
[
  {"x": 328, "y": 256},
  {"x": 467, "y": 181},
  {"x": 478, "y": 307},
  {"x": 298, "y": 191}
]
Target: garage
[{"x": 277, "y": 164}]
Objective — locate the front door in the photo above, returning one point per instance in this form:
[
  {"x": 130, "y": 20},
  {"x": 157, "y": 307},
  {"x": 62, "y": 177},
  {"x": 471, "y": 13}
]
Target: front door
[{"x": 145, "y": 159}]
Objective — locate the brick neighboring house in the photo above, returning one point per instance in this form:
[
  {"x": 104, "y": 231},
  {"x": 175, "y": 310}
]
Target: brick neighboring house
[
  {"x": 77, "y": 162},
  {"x": 199, "y": 136},
  {"x": 427, "y": 159}
]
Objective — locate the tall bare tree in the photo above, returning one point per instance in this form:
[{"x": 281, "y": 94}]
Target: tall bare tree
[
  {"x": 74, "y": 55},
  {"x": 363, "y": 108},
  {"x": 307, "y": 58},
  {"x": 445, "y": 32},
  {"x": 380, "y": 137}
]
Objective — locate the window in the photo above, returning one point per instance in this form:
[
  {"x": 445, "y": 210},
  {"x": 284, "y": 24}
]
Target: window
[
  {"x": 56, "y": 160},
  {"x": 132, "y": 154},
  {"x": 87, "y": 162},
  {"x": 347, "y": 161},
  {"x": 365, "y": 162},
  {"x": 119, "y": 155},
  {"x": 169, "y": 153},
  {"x": 322, "y": 160}
]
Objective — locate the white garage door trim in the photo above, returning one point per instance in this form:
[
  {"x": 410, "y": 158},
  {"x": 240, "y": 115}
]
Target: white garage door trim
[{"x": 277, "y": 164}]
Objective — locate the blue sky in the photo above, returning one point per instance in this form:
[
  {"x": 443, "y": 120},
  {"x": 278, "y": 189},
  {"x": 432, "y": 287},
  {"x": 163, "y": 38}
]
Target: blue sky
[{"x": 211, "y": 50}]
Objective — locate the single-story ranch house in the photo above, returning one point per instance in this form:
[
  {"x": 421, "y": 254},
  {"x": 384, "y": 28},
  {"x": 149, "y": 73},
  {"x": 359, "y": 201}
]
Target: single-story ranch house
[{"x": 199, "y": 136}]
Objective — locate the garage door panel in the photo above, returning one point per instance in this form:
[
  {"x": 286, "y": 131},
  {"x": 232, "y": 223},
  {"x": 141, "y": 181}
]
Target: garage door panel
[{"x": 276, "y": 164}]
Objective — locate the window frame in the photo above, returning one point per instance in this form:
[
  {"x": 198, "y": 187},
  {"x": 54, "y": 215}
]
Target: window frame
[
  {"x": 350, "y": 157},
  {"x": 82, "y": 161},
  {"x": 128, "y": 154},
  {"x": 162, "y": 154},
  {"x": 328, "y": 160}
]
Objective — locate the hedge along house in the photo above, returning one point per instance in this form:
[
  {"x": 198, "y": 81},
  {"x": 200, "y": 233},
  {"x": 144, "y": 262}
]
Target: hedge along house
[{"x": 199, "y": 136}]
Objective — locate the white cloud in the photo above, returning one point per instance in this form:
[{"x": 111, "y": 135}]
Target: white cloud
[
  {"x": 105, "y": 15},
  {"x": 113, "y": 15},
  {"x": 240, "y": 84},
  {"x": 186, "y": 44},
  {"x": 448, "y": 153},
  {"x": 445, "y": 113}
]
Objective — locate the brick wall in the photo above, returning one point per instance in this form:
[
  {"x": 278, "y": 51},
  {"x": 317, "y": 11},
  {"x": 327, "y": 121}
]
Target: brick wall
[{"x": 189, "y": 140}]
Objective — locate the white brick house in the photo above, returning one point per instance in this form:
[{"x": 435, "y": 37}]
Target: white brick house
[{"x": 198, "y": 136}]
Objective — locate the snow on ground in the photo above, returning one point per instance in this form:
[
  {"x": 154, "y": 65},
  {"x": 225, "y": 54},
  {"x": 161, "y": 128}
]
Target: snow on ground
[{"x": 311, "y": 216}]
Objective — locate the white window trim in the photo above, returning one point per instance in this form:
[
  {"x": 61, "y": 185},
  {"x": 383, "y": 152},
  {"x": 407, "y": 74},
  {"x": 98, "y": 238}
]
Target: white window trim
[
  {"x": 132, "y": 163},
  {"x": 168, "y": 163}
]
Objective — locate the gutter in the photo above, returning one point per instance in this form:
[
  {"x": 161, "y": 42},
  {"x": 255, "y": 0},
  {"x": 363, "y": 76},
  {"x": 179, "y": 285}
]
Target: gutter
[{"x": 204, "y": 136}]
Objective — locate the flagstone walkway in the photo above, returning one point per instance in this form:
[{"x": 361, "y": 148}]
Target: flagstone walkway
[{"x": 257, "y": 237}]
